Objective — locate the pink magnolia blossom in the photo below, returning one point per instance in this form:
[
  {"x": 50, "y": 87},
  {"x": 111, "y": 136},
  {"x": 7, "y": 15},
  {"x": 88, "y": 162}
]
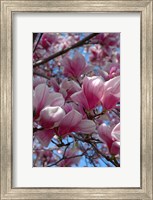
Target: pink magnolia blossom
[
  {"x": 73, "y": 122},
  {"x": 89, "y": 96},
  {"x": 51, "y": 116},
  {"x": 110, "y": 137},
  {"x": 48, "y": 39},
  {"x": 75, "y": 67},
  {"x": 66, "y": 88},
  {"x": 43, "y": 97},
  {"x": 96, "y": 54},
  {"x": 107, "y": 39},
  {"x": 111, "y": 93}
]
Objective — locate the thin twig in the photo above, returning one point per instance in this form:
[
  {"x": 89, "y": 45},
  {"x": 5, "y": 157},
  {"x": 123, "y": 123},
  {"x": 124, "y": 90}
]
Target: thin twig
[
  {"x": 99, "y": 152},
  {"x": 64, "y": 158},
  {"x": 41, "y": 75}
]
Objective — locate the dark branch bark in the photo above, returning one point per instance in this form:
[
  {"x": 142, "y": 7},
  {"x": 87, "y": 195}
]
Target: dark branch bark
[
  {"x": 34, "y": 37},
  {"x": 78, "y": 44},
  {"x": 37, "y": 42},
  {"x": 50, "y": 165},
  {"x": 41, "y": 75}
]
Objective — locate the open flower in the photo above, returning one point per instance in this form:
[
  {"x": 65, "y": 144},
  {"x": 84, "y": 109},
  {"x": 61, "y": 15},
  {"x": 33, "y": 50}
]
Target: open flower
[
  {"x": 48, "y": 39},
  {"x": 73, "y": 122},
  {"x": 75, "y": 67},
  {"x": 51, "y": 116},
  {"x": 55, "y": 117},
  {"x": 43, "y": 97},
  {"x": 91, "y": 92}
]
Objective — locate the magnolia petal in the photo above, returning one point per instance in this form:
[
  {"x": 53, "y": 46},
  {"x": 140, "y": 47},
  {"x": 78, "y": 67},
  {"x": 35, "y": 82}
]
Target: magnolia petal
[
  {"x": 41, "y": 92},
  {"x": 79, "y": 60},
  {"x": 79, "y": 64},
  {"x": 40, "y": 97},
  {"x": 113, "y": 84},
  {"x": 104, "y": 132},
  {"x": 111, "y": 94},
  {"x": 38, "y": 80},
  {"x": 67, "y": 64},
  {"x": 80, "y": 98},
  {"x": 86, "y": 126},
  {"x": 69, "y": 122},
  {"x": 51, "y": 116},
  {"x": 115, "y": 148},
  {"x": 55, "y": 99},
  {"x": 69, "y": 87},
  {"x": 93, "y": 89},
  {"x": 44, "y": 136},
  {"x": 74, "y": 67},
  {"x": 116, "y": 132},
  {"x": 109, "y": 100}
]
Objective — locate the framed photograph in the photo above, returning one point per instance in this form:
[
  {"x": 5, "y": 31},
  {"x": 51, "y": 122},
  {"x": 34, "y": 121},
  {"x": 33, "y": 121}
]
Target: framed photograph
[{"x": 76, "y": 99}]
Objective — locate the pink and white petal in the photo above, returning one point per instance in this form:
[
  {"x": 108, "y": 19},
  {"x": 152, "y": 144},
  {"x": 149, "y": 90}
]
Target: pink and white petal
[
  {"x": 75, "y": 86},
  {"x": 104, "y": 132},
  {"x": 79, "y": 60},
  {"x": 113, "y": 85},
  {"x": 79, "y": 64},
  {"x": 40, "y": 97},
  {"x": 67, "y": 64},
  {"x": 41, "y": 92},
  {"x": 116, "y": 132},
  {"x": 51, "y": 116},
  {"x": 69, "y": 122},
  {"x": 93, "y": 90},
  {"x": 109, "y": 100},
  {"x": 80, "y": 98},
  {"x": 55, "y": 99},
  {"x": 38, "y": 80},
  {"x": 86, "y": 126},
  {"x": 93, "y": 85},
  {"x": 65, "y": 84},
  {"x": 69, "y": 106},
  {"x": 44, "y": 137}
]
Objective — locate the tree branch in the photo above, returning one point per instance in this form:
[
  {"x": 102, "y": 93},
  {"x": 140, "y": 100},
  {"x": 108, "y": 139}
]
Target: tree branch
[
  {"x": 98, "y": 152},
  {"x": 41, "y": 75},
  {"x": 37, "y": 42},
  {"x": 80, "y": 43}
]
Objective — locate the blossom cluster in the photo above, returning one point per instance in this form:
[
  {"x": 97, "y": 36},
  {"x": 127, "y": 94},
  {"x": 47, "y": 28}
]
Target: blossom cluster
[{"x": 76, "y": 100}]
